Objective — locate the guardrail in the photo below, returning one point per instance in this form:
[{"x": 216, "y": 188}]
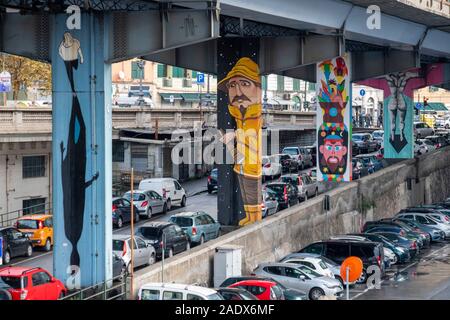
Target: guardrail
[
  {"x": 114, "y": 289},
  {"x": 10, "y": 218}
]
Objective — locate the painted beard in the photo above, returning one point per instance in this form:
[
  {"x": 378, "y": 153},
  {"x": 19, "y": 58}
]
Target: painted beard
[{"x": 333, "y": 164}]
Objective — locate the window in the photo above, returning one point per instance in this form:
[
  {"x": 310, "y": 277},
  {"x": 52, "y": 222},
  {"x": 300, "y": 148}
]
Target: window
[
  {"x": 177, "y": 185},
  {"x": 150, "y": 294},
  {"x": 172, "y": 295},
  {"x": 48, "y": 223},
  {"x": 126, "y": 203},
  {"x": 314, "y": 248},
  {"x": 33, "y": 166},
  {"x": 33, "y": 206},
  {"x": 162, "y": 71},
  {"x": 256, "y": 290},
  {"x": 136, "y": 72},
  {"x": 296, "y": 85},
  {"x": 293, "y": 273},
  {"x": 194, "y": 74},
  {"x": 209, "y": 219},
  {"x": 177, "y": 72},
  {"x": 308, "y": 264},
  {"x": 274, "y": 270},
  {"x": 118, "y": 151},
  {"x": 40, "y": 278},
  {"x": 337, "y": 251},
  {"x": 280, "y": 83},
  {"x": 193, "y": 297},
  {"x": 141, "y": 244},
  {"x": 362, "y": 251},
  {"x": 230, "y": 296}
]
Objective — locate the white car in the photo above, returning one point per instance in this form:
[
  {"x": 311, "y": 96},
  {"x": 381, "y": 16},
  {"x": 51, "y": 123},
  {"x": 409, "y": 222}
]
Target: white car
[
  {"x": 313, "y": 263},
  {"x": 271, "y": 167},
  {"x": 170, "y": 189},
  {"x": 124, "y": 100},
  {"x": 175, "y": 291},
  {"x": 144, "y": 254}
]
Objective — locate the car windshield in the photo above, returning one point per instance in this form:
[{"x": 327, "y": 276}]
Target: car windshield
[
  {"x": 27, "y": 224},
  {"x": 118, "y": 245},
  {"x": 214, "y": 296},
  {"x": 328, "y": 261},
  {"x": 308, "y": 271},
  {"x": 182, "y": 221},
  {"x": 136, "y": 196},
  {"x": 292, "y": 151},
  {"x": 323, "y": 265},
  {"x": 278, "y": 188},
  {"x": 150, "y": 232},
  {"x": 10, "y": 282},
  {"x": 214, "y": 173}
]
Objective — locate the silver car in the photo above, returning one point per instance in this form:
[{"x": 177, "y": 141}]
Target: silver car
[
  {"x": 269, "y": 204},
  {"x": 427, "y": 219},
  {"x": 422, "y": 130},
  {"x": 144, "y": 254},
  {"x": 148, "y": 202},
  {"x": 302, "y": 278}
]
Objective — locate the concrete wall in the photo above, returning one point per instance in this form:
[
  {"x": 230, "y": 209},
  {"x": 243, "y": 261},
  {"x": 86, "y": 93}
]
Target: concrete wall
[{"x": 379, "y": 195}]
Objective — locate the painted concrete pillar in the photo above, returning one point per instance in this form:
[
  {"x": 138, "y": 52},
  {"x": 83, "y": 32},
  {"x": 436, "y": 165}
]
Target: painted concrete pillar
[
  {"x": 239, "y": 111},
  {"x": 82, "y": 151}
]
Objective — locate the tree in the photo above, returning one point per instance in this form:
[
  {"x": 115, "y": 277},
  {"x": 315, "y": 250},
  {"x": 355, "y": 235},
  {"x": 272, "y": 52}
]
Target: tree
[{"x": 27, "y": 73}]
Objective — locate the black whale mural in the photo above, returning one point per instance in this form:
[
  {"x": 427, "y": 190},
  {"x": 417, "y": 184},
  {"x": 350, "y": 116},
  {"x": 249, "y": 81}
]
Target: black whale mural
[{"x": 73, "y": 156}]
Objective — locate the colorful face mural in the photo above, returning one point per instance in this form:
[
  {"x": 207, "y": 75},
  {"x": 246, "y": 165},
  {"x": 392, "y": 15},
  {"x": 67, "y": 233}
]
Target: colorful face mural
[
  {"x": 333, "y": 120},
  {"x": 399, "y": 105},
  {"x": 243, "y": 87}
]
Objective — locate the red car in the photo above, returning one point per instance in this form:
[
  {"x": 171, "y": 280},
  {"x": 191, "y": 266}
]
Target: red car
[
  {"x": 263, "y": 290},
  {"x": 25, "y": 283}
]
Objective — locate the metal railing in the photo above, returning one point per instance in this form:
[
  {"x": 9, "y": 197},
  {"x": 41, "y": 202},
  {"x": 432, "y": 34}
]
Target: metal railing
[
  {"x": 10, "y": 218},
  {"x": 115, "y": 289}
]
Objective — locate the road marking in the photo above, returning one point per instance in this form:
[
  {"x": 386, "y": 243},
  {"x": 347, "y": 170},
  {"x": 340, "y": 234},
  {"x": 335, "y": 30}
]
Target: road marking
[{"x": 31, "y": 259}]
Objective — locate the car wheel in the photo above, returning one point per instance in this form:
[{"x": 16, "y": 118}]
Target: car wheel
[
  {"x": 363, "y": 278},
  {"x": 183, "y": 201},
  {"x": 152, "y": 259},
  {"x": 48, "y": 245},
  {"x": 316, "y": 293},
  {"x": 29, "y": 251},
  {"x": 169, "y": 204},
  {"x": 119, "y": 223},
  {"x": 202, "y": 239},
  {"x": 165, "y": 208},
  {"x": 149, "y": 212},
  {"x": 6, "y": 257}
]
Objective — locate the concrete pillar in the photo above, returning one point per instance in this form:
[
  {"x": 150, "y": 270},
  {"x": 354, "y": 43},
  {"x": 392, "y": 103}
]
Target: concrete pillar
[{"x": 82, "y": 151}]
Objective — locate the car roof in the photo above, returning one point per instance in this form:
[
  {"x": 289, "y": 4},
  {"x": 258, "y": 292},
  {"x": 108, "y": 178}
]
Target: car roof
[
  {"x": 306, "y": 258},
  {"x": 237, "y": 290},
  {"x": 35, "y": 217},
  {"x": 178, "y": 286},
  {"x": 138, "y": 191},
  {"x": 158, "y": 180},
  {"x": 365, "y": 243},
  {"x": 188, "y": 214},
  {"x": 277, "y": 264},
  {"x": 255, "y": 282},
  {"x": 121, "y": 236},
  {"x": 157, "y": 224},
  {"x": 17, "y": 271}
]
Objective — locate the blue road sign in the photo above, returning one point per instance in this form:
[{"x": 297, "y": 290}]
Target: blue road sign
[
  {"x": 362, "y": 92},
  {"x": 200, "y": 78}
]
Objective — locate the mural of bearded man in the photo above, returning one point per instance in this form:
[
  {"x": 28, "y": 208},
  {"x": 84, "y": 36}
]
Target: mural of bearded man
[
  {"x": 243, "y": 86},
  {"x": 333, "y": 153}
]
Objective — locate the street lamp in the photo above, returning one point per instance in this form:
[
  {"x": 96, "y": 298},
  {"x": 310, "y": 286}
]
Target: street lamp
[{"x": 141, "y": 65}]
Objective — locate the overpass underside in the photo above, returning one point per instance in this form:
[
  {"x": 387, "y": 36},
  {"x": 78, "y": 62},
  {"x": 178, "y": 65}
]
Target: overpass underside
[{"x": 288, "y": 37}]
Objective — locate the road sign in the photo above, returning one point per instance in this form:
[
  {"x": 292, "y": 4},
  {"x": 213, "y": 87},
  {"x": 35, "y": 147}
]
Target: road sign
[
  {"x": 200, "y": 78},
  {"x": 362, "y": 92},
  {"x": 5, "y": 81}
]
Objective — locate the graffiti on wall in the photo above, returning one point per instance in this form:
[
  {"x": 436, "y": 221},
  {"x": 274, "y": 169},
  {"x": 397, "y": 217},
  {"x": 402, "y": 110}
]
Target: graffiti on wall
[
  {"x": 333, "y": 120},
  {"x": 243, "y": 88}
]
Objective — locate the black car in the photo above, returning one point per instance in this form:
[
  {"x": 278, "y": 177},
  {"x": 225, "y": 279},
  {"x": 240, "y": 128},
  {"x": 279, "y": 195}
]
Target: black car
[
  {"x": 289, "y": 294},
  {"x": 285, "y": 193},
  {"x": 212, "y": 180},
  {"x": 236, "y": 294},
  {"x": 121, "y": 212},
  {"x": 371, "y": 253},
  {"x": 15, "y": 244},
  {"x": 165, "y": 235}
]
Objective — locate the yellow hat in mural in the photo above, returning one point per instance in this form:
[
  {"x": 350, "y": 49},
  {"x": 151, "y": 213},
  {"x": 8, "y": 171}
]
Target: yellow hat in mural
[{"x": 246, "y": 68}]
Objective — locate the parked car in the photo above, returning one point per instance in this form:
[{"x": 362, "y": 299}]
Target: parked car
[
  {"x": 402, "y": 253},
  {"x": 313, "y": 263},
  {"x": 39, "y": 228},
  {"x": 378, "y": 136},
  {"x": 170, "y": 189},
  {"x": 26, "y": 283},
  {"x": 435, "y": 234},
  {"x": 175, "y": 291},
  {"x": 15, "y": 244},
  {"x": 306, "y": 187},
  {"x": 165, "y": 235},
  {"x": 289, "y": 294},
  {"x": 235, "y": 294},
  {"x": 438, "y": 141},
  {"x": 294, "y": 276},
  {"x": 212, "y": 180},
  {"x": 118, "y": 265},
  {"x": 198, "y": 225},
  {"x": 148, "y": 202},
  {"x": 364, "y": 143},
  {"x": 424, "y": 236},
  {"x": 269, "y": 203},
  {"x": 261, "y": 289},
  {"x": 144, "y": 254},
  {"x": 271, "y": 167},
  {"x": 424, "y": 218},
  {"x": 398, "y": 230},
  {"x": 420, "y": 147},
  {"x": 285, "y": 193},
  {"x": 436, "y": 207},
  {"x": 371, "y": 253},
  {"x": 121, "y": 212},
  {"x": 398, "y": 240},
  {"x": 422, "y": 130}
]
